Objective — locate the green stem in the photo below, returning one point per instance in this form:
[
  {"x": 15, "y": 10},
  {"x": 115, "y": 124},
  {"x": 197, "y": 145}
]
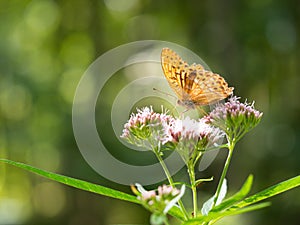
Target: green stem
[
  {"x": 169, "y": 177},
  {"x": 165, "y": 168},
  {"x": 191, "y": 172},
  {"x": 230, "y": 151}
]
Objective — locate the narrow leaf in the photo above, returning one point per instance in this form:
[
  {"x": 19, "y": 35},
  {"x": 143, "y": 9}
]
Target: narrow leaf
[
  {"x": 73, "y": 182},
  {"x": 86, "y": 186},
  {"x": 223, "y": 192},
  {"x": 236, "y": 197},
  {"x": 213, "y": 217},
  {"x": 207, "y": 206},
  {"x": 271, "y": 191}
]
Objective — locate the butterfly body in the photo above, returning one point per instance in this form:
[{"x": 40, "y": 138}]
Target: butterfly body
[{"x": 193, "y": 85}]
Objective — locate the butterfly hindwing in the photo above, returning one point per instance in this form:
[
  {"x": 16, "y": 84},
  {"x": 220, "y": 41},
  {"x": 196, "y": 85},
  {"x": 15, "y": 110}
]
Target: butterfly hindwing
[{"x": 209, "y": 88}]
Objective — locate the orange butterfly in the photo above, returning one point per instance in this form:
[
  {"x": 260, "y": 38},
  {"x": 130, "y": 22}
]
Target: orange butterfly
[{"x": 193, "y": 85}]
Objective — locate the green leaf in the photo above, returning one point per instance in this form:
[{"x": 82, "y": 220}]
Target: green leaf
[
  {"x": 86, "y": 186},
  {"x": 83, "y": 185},
  {"x": 227, "y": 209},
  {"x": 271, "y": 191},
  {"x": 223, "y": 192},
  {"x": 215, "y": 216},
  {"x": 207, "y": 206},
  {"x": 236, "y": 197},
  {"x": 176, "y": 212}
]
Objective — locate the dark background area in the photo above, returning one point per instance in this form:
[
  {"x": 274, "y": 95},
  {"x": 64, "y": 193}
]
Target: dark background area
[{"x": 46, "y": 46}]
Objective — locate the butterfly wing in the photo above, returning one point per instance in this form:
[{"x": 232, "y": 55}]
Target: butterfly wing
[
  {"x": 175, "y": 70},
  {"x": 209, "y": 87},
  {"x": 193, "y": 84}
]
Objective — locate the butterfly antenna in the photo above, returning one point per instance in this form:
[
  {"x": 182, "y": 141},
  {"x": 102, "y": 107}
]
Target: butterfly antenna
[{"x": 165, "y": 93}]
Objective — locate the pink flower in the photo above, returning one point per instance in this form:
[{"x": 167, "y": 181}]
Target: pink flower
[
  {"x": 192, "y": 137},
  {"x": 159, "y": 131},
  {"x": 191, "y": 129},
  {"x": 234, "y": 118},
  {"x": 147, "y": 128},
  {"x": 148, "y": 195},
  {"x": 162, "y": 200}
]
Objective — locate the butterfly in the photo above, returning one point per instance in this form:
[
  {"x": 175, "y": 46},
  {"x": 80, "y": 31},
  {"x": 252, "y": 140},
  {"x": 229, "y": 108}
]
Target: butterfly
[{"x": 193, "y": 85}]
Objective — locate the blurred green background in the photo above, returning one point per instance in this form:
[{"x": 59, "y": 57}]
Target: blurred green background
[{"x": 46, "y": 46}]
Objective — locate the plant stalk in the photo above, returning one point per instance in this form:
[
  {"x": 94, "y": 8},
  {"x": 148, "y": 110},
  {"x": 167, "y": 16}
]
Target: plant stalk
[
  {"x": 169, "y": 177},
  {"x": 229, "y": 156},
  {"x": 191, "y": 172}
]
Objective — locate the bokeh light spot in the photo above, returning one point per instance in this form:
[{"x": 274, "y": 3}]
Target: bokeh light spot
[
  {"x": 142, "y": 27},
  {"x": 42, "y": 16},
  {"x": 121, "y": 5},
  {"x": 12, "y": 211},
  {"x": 15, "y": 101},
  {"x": 77, "y": 50},
  {"x": 68, "y": 83},
  {"x": 49, "y": 199}
]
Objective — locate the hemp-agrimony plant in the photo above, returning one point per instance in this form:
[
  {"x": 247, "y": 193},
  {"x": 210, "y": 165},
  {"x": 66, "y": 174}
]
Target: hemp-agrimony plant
[{"x": 191, "y": 138}]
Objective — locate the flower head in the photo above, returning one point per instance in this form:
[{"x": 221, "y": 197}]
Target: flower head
[
  {"x": 161, "y": 131},
  {"x": 235, "y": 118},
  {"x": 192, "y": 137},
  {"x": 146, "y": 128},
  {"x": 160, "y": 201}
]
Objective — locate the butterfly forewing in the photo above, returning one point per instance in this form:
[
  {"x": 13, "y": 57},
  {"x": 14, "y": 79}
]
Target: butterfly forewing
[
  {"x": 174, "y": 69},
  {"x": 193, "y": 84}
]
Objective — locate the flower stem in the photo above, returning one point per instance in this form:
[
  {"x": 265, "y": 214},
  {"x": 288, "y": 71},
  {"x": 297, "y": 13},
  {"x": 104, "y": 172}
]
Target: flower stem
[
  {"x": 191, "y": 172},
  {"x": 230, "y": 151},
  {"x": 169, "y": 177}
]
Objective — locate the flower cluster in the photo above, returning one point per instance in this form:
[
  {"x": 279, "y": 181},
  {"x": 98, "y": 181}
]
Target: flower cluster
[
  {"x": 160, "y": 201},
  {"x": 235, "y": 118},
  {"x": 147, "y": 128},
  {"x": 161, "y": 131},
  {"x": 192, "y": 137}
]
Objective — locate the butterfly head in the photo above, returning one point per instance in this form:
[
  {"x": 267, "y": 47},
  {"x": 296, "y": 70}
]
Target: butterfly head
[{"x": 189, "y": 104}]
